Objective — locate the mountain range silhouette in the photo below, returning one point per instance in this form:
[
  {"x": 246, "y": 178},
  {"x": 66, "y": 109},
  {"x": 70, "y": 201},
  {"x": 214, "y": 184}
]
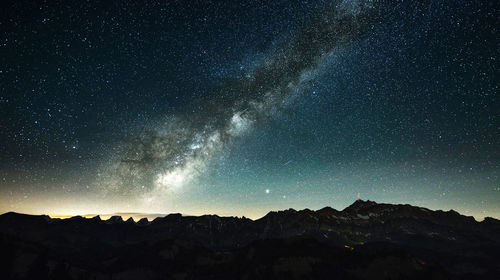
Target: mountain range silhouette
[{"x": 366, "y": 240}]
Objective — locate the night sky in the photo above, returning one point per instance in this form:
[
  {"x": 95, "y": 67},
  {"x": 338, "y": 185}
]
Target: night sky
[{"x": 242, "y": 107}]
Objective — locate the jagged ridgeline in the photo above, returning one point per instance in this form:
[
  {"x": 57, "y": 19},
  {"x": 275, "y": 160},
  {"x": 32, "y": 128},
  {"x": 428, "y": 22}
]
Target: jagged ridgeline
[{"x": 360, "y": 242}]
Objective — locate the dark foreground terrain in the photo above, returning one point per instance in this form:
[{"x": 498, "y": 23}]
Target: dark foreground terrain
[{"x": 364, "y": 241}]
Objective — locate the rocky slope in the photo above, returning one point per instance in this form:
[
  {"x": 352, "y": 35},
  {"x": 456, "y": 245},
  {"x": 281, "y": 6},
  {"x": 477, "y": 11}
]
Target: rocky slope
[{"x": 366, "y": 240}]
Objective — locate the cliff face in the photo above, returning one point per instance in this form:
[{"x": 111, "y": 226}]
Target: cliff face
[{"x": 364, "y": 241}]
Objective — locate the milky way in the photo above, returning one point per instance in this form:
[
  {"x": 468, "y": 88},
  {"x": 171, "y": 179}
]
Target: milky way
[{"x": 164, "y": 159}]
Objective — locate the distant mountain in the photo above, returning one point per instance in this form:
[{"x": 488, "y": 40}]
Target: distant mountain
[
  {"x": 124, "y": 215},
  {"x": 367, "y": 240}
]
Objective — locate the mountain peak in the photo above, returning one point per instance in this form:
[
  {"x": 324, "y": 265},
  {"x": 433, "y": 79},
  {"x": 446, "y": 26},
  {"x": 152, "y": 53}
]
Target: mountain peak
[
  {"x": 143, "y": 222},
  {"x": 360, "y": 204},
  {"x": 115, "y": 220},
  {"x": 327, "y": 211}
]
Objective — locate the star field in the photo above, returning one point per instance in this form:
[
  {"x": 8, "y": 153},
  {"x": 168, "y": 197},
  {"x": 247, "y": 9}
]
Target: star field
[{"x": 242, "y": 107}]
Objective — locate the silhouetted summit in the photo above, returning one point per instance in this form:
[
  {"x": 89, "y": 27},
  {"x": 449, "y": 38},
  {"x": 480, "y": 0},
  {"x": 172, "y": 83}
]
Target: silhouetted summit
[{"x": 366, "y": 240}]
